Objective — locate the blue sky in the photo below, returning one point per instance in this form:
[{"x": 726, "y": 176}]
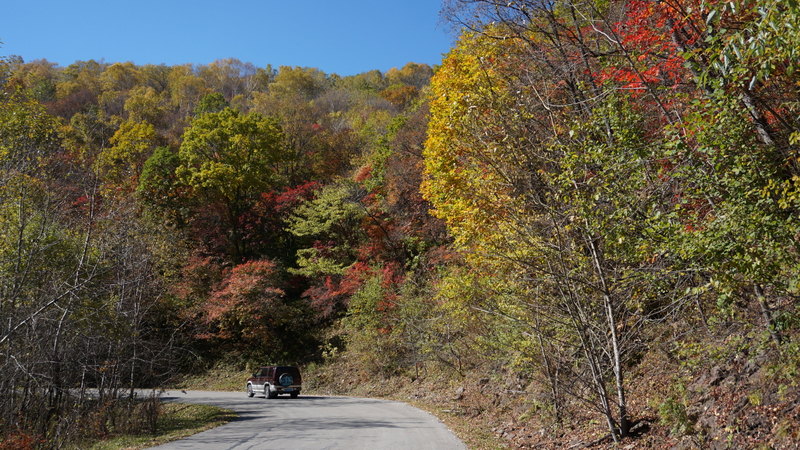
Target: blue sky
[{"x": 344, "y": 37}]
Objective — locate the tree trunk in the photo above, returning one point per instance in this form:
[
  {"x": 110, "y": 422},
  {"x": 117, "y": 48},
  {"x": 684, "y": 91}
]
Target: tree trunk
[{"x": 766, "y": 314}]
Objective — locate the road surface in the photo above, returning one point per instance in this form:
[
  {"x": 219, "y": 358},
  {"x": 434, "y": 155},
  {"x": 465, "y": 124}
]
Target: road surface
[{"x": 314, "y": 422}]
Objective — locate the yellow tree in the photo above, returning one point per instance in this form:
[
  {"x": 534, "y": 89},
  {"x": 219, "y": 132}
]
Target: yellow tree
[
  {"x": 548, "y": 192},
  {"x": 120, "y": 164}
]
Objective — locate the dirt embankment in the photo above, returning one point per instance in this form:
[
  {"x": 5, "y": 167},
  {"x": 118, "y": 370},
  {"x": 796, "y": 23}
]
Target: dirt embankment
[{"x": 742, "y": 396}]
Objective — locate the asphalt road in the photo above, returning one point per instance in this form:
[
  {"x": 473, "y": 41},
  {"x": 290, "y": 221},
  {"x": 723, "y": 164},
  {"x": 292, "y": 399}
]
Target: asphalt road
[{"x": 312, "y": 422}]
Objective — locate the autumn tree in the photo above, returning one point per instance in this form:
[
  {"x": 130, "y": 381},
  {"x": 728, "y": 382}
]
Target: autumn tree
[
  {"x": 158, "y": 186},
  {"x": 131, "y": 145},
  {"x": 145, "y": 104},
  {"x": 555, "y": 201},
  {"x": 39, "y": 77},
  {"x": 230, "y": 77},
  {"x": 185, "y": 89},
  {"x": 247, "y": 296},
  {"x": 738, "y": 171},
  {"x": 77, "y": 288},
  {"x": 227, "y": 159}
]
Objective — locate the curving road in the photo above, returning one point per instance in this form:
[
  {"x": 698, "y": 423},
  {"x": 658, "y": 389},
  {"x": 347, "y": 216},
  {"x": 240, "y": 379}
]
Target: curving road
[{"x": 311, "y": 422}]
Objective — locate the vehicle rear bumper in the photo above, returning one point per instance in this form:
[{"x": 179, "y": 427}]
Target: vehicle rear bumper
[{"x": 287, "y": 389}]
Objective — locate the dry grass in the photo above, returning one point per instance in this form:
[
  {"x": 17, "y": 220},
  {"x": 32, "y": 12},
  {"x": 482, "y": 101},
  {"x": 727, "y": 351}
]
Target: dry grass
[{"x": 177, "y": 421}]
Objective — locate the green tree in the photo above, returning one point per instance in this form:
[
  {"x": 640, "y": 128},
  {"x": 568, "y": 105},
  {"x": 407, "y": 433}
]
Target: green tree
[
  {"x": 158, "y": 185},
  {"x": 226, "y": 160},
  {"x": 211, "y": 103},
  {"x": 334, "y": 215}
]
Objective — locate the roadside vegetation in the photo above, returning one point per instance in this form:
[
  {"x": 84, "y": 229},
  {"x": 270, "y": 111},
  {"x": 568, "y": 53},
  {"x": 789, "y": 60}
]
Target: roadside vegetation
[
  {"x": 220, "y": 377},
  {"x": 581, "y": 229},
  {"x": 175, "y": 421}
]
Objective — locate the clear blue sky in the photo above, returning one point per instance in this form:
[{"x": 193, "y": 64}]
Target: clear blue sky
[{"x": 344, "y": 37}]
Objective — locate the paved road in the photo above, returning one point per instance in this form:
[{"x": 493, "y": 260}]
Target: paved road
[{"x": 312, "y": 422}]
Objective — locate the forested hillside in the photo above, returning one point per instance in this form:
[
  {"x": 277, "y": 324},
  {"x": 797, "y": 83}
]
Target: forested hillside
[{"x": 581, "y": 229}]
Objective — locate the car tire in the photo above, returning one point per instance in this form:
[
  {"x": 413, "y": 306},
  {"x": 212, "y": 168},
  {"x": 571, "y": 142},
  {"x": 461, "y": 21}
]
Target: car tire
[
  {"x": 295, "y": 394},
  {"x": 250, "y": 392},
  {"x": 269, "y": 393}
]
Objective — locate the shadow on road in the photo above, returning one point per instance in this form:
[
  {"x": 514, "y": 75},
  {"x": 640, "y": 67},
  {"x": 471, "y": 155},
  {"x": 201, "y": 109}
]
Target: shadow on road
[{"x": 313, "y": 422}]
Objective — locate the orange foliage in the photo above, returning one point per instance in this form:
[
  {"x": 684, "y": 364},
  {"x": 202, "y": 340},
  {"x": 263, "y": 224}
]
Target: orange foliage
[
  {"x": 650, "y": 34},
  {"x": 245, "y": 297},
  {"x": 19, "y": 441}
]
